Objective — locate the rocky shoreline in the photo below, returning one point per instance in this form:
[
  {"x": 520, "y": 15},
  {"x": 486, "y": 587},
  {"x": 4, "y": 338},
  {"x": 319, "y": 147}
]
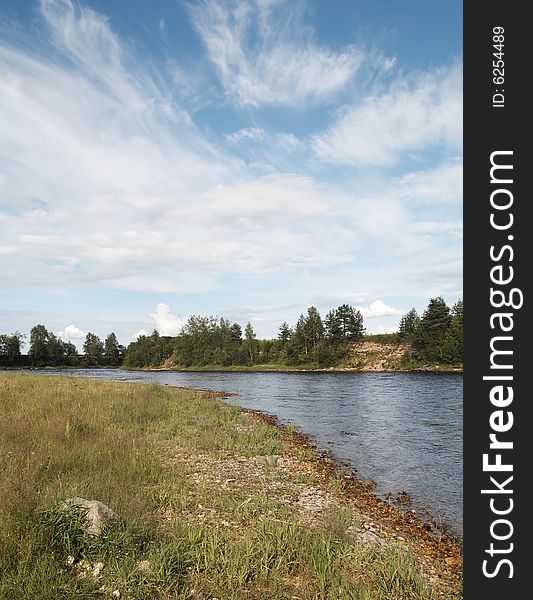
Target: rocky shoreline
[
  {"x": 266, "y": 369},
  {"x": 440, "y": 552}
]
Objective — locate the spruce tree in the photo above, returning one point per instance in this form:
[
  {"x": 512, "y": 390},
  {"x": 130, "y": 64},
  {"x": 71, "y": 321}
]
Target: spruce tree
[
  {"x": 453, "y": 340},
  {"x": 284, "y": 333},
  {"x": 409, "y": 324},
  {"x": 430, "y": 335}
]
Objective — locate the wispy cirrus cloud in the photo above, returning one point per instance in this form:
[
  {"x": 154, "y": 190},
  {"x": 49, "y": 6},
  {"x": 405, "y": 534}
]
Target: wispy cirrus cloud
[
  {"x": 442, "y": 184},
  {"x": 265, "y": 56},
  {"x": 416, "y": 114},
  {"x": 255, "y": 134},
  {"x": 90, "y": 157},
  {"x": 111, "y": 182},
  {"x": 134, "y": 198}
]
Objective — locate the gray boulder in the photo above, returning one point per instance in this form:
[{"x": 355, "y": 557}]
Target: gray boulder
[{"x": 97, "y": 514}]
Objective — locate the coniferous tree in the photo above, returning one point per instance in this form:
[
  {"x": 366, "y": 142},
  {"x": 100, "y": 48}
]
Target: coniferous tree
[
  {"x": 430, "y": 335},
  {"x": 333, "y": 327},
  {"x": 250, "y": 342},
  {"x": 300, "y": 343},
  {"x": 284, "y": 333},
  {"x": 236, "y": 333},
  {"x": 409, "y": 324},
  {"x": 453, "y": 340},
  {"x": 313, "y": 327},
  {"x": 351, "y": 322}
]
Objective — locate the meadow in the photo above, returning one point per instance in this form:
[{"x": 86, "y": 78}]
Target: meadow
[{"x": 212, "y": 503}]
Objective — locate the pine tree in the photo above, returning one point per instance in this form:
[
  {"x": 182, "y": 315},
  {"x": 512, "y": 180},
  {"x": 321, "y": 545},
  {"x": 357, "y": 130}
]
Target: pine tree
[
  {"x": 333, "y": 327},
  {"x": 351, "y": 322},
  {"x": 409, "y": 324},
  {"x": 430, "y": 335}
]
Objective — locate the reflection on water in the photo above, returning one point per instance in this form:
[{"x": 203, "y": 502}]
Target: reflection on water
[{"x": 401, "y": 430}]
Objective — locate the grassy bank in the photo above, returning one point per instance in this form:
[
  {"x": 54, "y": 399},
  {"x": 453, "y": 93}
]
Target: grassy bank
[{"x": 213, "y": 502}]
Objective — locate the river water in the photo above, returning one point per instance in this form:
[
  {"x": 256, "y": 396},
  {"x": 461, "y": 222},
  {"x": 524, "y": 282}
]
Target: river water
[{"x": 401, "y": 430}]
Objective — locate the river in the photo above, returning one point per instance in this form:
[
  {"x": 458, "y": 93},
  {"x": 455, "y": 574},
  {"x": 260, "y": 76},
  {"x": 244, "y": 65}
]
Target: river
[{"x": 401, "y": 430}]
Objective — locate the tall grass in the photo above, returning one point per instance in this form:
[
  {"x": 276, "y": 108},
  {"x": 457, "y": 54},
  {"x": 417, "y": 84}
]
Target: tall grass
[{"x": 127, "y": 445}]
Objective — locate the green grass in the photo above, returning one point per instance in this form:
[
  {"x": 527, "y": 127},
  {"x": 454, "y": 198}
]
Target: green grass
[{"x": 199, "y": 492}]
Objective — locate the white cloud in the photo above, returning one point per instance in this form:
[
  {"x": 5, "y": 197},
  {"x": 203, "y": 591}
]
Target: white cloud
[
  {"x": 264, "y": 56},
  {"x": 111, "y": 184},
  {"x": 412, "y": 116},
  {"x": 137, "y": 335},
  {"x": 443, "y": 184},
  {"x": 109, "y": 157},
  {"x": 278, "y": 197},
  {"x": 164, "y": 279},
  {"x": 131, "y": 195},
  {"x": 165, "y": 322},
  {"x": 247, "y": 134},
  {"x": 379, "y": 309},
  {"x": 382, "y": 329},
  {"x": 270, "y": 151},
  {"x": 71, "y": 332}
]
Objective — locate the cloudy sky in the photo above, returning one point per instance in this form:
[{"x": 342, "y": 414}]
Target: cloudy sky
[{"x": 244, "y": 158}]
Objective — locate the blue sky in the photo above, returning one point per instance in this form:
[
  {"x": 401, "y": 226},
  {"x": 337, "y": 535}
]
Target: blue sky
[{"x": 244, "y": 158}]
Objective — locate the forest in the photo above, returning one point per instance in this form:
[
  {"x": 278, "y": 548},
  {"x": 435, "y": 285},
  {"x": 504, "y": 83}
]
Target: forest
[{"x": 435, "y": 337}]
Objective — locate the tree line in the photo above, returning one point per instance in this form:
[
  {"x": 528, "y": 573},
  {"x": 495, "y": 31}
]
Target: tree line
[
  {"x": 210, "y": 340},
  {"x": 10, "y": 349},
  {"x": 48, "y": 350},
  {"x": 436, "y": 337}
]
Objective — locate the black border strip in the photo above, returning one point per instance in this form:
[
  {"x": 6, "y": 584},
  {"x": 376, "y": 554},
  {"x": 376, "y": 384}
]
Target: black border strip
[{"x": 492, "y": 125}]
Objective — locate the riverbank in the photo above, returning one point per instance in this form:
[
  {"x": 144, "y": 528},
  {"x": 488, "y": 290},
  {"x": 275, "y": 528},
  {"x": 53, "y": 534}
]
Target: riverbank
[
  {"x": 439, "y": 550},
  {"x": 365, "y": 356},
  {"x": 213, "y": 501},
  {"x": 256, "y": 369}
]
